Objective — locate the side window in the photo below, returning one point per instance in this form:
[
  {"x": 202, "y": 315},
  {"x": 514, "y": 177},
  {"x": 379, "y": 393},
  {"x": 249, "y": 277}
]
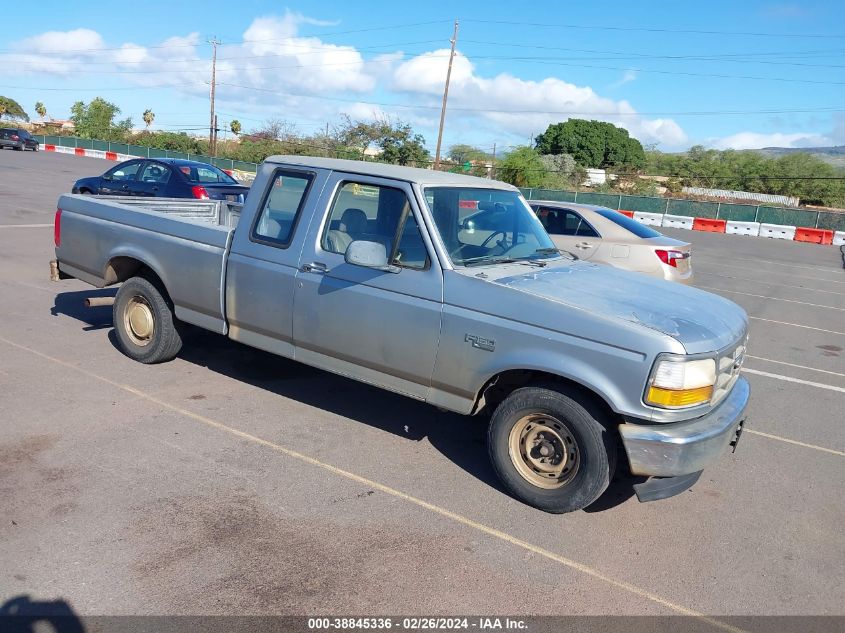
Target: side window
[
  {"x": 282, "y": 205},
  {"x": 155, "y": 172},
  {"x": 124, "y": 172},
  {"x": 375, "y": 213}
]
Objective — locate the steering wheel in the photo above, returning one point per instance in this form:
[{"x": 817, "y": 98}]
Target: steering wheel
[{"x": 492, "y": 235}]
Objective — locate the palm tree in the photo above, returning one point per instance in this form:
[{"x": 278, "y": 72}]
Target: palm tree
[
  {"x": 41, "y": 109},
  {"x": 235, "y": 126},
  {"x": 149, "y": 117}
]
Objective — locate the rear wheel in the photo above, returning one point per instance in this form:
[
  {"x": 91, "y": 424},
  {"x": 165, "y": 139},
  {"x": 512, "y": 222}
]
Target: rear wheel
[
  {"x": 144, "y": 322},
  {"x": 550, "y": 447}
]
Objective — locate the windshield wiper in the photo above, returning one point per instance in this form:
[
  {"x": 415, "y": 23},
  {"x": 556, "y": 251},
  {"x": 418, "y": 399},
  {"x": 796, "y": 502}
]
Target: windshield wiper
[{"x": 484, "y": 260}]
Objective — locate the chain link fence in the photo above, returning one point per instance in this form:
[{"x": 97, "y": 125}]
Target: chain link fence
[
  {"x": 830, "y": 220},
  {"x": 142, "y": 151}
]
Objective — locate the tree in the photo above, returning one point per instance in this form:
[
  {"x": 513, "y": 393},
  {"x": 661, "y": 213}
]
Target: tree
[
  {"x": 396, "y": 140},
  {"x": 96, "y": 120},
  {"x": 522, "y": 167},
  {"x": 12, "y": 109},
  {"x": 41, "y": 109},
  {"x": 149, "y": 116},
  {"x": 235, "y": 126},
  {"x": 592, "y": 144}
]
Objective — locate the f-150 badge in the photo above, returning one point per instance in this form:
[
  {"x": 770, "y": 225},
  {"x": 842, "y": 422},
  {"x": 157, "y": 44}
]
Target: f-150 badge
[{"x": 488, "y": 345}]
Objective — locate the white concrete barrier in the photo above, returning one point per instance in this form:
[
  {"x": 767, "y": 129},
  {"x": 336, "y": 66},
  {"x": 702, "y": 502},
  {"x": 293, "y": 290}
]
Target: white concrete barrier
[
  {"x": 678, "y": 221},
  {"x": 654, "y": 219},
  {"x": 839, "y": 238},
  {"x": 742, "y": 228},
  {"x": 777, "y": 231}
]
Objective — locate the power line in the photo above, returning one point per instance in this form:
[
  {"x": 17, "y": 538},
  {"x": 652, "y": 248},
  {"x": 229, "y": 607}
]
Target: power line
[
  {"x": 271, "y": 39},
  {"x": 725, "y": 112},
  {"x": 534, "y": 111},
  {"x": 655, "y": 30}
]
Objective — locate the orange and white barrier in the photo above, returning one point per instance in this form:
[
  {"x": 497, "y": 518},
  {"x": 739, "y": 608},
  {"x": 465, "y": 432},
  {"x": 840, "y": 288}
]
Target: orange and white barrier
[
  {"x": 777, "y": 231},
  {"x": 678, "y": 221},
  {"x": 735, "y": 227},
  {"x": 653, "y": 219}
]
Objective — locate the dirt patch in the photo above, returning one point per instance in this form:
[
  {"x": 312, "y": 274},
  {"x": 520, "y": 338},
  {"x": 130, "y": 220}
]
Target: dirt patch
[{"x": 24, "y": 453}]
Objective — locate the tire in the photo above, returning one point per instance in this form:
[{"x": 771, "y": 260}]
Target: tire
[
  {"x": 551, "y": 448},
  {"x": 144, "y": 322}
]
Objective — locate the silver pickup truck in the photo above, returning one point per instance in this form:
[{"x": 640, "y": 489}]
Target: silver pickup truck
[{"x": 445, "y": 288}]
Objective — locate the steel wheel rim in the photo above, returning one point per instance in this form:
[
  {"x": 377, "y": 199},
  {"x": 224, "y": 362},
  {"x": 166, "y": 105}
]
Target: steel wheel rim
[
  {"x": 543, "y": 451},
  {"x": 139, "y": 321}
]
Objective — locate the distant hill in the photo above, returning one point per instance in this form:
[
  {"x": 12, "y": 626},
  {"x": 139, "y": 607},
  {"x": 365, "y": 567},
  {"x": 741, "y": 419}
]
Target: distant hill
[{"x": 834, "y": 155}]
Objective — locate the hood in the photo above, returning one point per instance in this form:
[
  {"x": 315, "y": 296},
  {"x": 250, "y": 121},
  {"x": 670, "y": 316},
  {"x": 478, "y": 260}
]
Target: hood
[{"x": 699, "y": 320}]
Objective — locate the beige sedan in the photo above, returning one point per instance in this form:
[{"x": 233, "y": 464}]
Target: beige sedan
[{"x": 605, "y": 236}]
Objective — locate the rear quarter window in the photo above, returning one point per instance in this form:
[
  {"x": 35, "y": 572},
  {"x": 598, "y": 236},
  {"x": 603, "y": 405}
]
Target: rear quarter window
[{"x": 629, "y": 224}]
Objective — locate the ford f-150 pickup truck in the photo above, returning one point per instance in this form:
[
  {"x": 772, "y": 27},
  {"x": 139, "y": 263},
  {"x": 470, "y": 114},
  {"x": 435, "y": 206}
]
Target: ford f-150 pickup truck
[{"x": 372, "y": 271}]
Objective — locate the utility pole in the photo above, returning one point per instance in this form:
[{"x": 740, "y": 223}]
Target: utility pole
[
  {"x": 212, "y": 131},
  {"x": 493, "y": 163},
  {"x": 445, "y": 96}
]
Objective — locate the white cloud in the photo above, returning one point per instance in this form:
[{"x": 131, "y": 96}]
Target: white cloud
[
  {"x": 627, "y": 77},
  {"x": 755, "y": 140},
  {"x": 550, "y": 100}
]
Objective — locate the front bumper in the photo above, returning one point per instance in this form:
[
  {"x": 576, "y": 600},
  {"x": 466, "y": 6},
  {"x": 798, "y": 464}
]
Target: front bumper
[{"x": 681, "y": 448}]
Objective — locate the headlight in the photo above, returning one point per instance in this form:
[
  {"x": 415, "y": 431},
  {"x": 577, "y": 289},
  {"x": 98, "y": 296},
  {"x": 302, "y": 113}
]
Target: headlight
[{"x": 677, "y": 383}]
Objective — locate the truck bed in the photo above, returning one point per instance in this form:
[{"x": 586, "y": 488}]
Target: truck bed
[{"x": 185, "y": 242}]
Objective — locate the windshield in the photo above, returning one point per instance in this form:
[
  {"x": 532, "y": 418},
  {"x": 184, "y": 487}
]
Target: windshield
[
  {"x": 206, "y": 174},
  {"x": 485, "y": 226}
]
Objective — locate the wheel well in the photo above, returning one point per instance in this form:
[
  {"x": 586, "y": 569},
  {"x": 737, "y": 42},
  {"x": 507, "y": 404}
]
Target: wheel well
[
  {"x": 504, "y": 383},
  {"x": 122, "y": 268}
]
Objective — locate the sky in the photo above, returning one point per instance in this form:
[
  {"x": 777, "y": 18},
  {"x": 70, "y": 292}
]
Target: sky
[{"x": 724, "y": 74}]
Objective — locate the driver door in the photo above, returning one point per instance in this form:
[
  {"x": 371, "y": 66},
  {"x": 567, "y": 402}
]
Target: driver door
[
  {"x": 118, "y": 181},
  {"x": 376, "y": 326}
]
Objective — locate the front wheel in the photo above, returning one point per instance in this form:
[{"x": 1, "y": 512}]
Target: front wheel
[
  {"x": 144, "y": 322},
  {"x": 550, "y": 447}
]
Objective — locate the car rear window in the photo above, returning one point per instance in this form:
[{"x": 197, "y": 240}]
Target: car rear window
[{"x": 629, "y": 224}]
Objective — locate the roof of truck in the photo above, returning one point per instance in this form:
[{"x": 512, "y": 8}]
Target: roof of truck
[{"x": 395, "y": 172}]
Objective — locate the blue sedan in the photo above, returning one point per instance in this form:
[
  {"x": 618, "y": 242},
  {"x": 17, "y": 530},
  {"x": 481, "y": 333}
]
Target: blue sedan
[{"x": 164, "y": 178}]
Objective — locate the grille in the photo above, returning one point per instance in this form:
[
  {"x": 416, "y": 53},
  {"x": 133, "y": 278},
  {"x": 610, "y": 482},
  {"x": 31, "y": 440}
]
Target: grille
[{"x": 728, "y": 366}]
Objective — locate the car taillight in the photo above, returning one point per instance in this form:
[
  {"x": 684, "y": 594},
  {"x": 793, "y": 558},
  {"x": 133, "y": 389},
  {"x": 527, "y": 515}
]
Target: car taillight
[
  {"x": 57, "y": 228},
  {"x": 670, "y": 257},
  {"x": 199, "y": 192}
]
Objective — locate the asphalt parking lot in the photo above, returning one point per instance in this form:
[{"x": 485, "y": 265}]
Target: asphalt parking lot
[{"x": 233, "y": 481}]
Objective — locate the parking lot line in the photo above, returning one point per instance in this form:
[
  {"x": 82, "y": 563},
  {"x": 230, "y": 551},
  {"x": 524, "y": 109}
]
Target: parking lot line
[
  {"x": 795, "y": 442},
  {"x": 791, "y": 379},
  {"x": 769, "y": 261},
  {"x": 448, "y": 514},
  {"x": 806, "y": 327},
  {"x": 757, "y": 281},
  {"x": 780, "y": 362},
  {"x": 745, "y": 268},
  {"x": 750, "y": 294}
]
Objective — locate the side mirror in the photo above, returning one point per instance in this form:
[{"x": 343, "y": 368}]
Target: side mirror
[
  {"x": 106, "y": 177},
  {"x": 369, "y": 255}
]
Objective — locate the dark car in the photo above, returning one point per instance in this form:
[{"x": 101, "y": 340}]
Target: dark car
[
  {"x": 164, "y": 178},
  {"x": 17, "y": 139}
]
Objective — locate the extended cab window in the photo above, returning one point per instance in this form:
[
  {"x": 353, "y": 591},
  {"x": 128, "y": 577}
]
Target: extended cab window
[
  {"x": 375, "y": 213},
  {"x": 282, "y": 204}
]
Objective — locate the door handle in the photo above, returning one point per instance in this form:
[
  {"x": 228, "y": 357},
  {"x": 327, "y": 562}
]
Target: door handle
[
  {"x": 318, "y": 268},
  {"x": 583, "y": 245}
]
